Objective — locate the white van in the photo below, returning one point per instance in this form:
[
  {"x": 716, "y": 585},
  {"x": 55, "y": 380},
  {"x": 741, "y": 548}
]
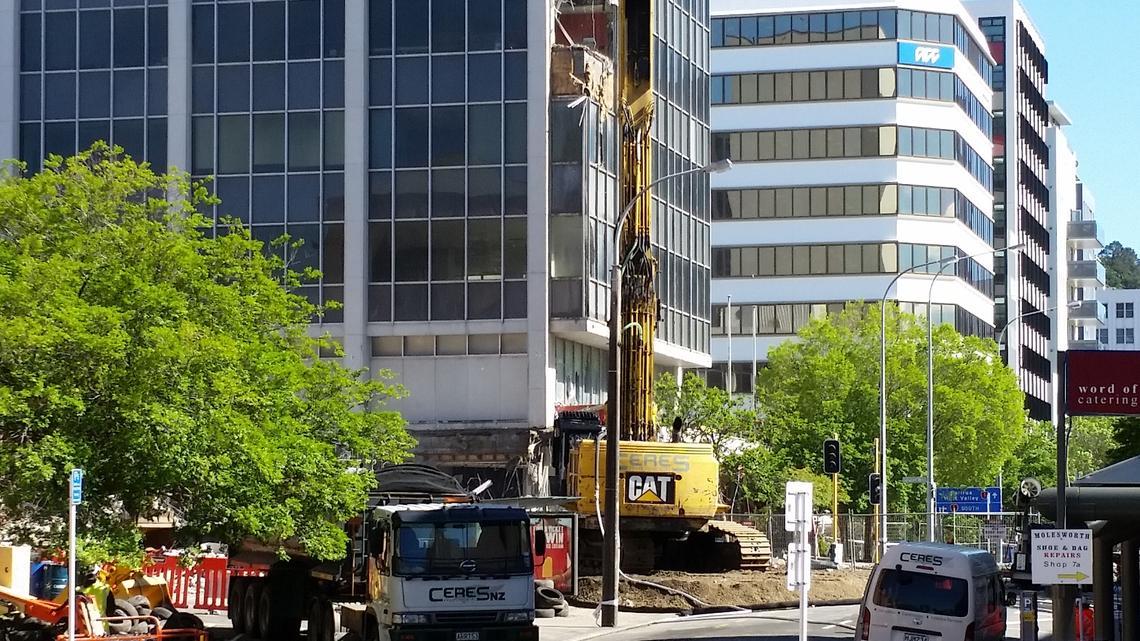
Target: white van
[{"x": 933, "y": 592}]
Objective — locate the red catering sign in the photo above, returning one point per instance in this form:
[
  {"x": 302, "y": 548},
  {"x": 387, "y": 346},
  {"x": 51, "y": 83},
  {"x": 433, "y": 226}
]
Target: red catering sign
[{"x": 1103, "y": 383}]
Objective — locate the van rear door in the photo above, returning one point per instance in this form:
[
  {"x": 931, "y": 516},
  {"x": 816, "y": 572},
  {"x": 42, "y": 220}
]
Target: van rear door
[{"x": 909, "y": 605}]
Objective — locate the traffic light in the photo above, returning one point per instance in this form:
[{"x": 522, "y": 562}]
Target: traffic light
[
  {"x": 832, "y": 461},
  {"x": 875, "y": 488}
]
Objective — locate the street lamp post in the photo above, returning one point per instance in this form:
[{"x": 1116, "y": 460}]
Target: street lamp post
[
  {"x": 1001, "y": 336},
  {"x": 882, "y": 453},
  {"x": 930, "y": 487},
  {"x": 610, "y": 555}
]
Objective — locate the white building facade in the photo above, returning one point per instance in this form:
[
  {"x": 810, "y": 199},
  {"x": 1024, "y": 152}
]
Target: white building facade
[
  {"x": 1123, "y": 322},
  {"x": 862, "y": 137}
]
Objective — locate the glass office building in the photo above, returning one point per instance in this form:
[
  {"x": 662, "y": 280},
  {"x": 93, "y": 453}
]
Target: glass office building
[{"x": 431, "y": 154}]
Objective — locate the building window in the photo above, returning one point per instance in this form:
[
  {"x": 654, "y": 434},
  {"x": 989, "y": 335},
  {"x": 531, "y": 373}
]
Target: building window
[
  {"x": 1102, "y": 336},
  {"x": 847, "y": 26},
  {"x": 1124, "y": 310},
  {"x": 1125, "y": 336}
]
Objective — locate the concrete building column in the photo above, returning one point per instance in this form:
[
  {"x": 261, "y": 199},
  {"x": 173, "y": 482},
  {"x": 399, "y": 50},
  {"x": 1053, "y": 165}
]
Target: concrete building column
[
  {"x": 356, "y": 346},
  {"x": 9, "y": 80},
  {"x": 178, "y": 84},
  {"x": 1130, "y": 588}
]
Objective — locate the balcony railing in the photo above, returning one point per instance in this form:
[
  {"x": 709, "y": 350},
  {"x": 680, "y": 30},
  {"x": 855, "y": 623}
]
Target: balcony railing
[
  {"x": 1085, "y": 234},
  {"x": 1081, "y": 343},
  {"x": 1089, "y": 311},
  {"x": 1086, "y": 272}
]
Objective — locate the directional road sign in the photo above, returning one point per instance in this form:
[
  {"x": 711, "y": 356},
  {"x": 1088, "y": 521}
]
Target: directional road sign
[
  {"x": 1061, "y": 557},
  {"x": 968, "y": 500}
]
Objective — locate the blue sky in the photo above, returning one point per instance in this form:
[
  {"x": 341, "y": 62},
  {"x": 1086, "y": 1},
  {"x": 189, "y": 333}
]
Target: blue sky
[{"x": 1092, "y": 75}]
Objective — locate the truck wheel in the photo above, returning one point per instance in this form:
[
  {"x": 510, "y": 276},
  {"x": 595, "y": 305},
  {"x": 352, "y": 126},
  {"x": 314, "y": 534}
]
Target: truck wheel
[
  {"x": 328, "y": 621},
  {"x": 236, "y": 605},
  {"x": 249, "y": 609},
  {"x": 274, "y": 624},
  {"x": 315, "y": 622}
]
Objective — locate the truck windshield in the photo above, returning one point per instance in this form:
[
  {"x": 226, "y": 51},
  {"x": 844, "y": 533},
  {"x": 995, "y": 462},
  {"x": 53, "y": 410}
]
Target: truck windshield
[
  {"x": 463, "y": 548},
  {"x": 928, "y": 593}
]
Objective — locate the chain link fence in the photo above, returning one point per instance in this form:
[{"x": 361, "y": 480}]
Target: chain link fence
[{"x": 997, "y": 532}]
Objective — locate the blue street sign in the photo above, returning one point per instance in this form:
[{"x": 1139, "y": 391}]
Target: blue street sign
[
  {"x": 968, "y": 500},
  {"x": 76, "y": 486},
  {"x": 925, "y": 55}
]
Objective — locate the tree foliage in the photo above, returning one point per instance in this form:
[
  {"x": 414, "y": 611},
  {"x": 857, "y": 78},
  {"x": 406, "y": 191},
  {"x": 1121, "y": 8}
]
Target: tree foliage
[
  {"x": 1121, "y": 266},
  {"x": 827, "y": 383},
  {"x": 1126, "y": 439},
  {"x": 708, "y": 414},
  {"x": 174, "y": 367}
]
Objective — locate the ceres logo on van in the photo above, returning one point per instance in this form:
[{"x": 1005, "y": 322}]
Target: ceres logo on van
[{"x": 922, "y": 559}]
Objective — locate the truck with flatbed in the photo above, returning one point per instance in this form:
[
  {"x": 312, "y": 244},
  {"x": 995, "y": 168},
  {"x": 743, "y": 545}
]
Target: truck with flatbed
[{"x": 426, "y": 562}]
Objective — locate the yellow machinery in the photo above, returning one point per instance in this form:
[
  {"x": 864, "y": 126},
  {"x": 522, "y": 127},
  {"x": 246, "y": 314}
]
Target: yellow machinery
[{"x": 669, "y": 491}]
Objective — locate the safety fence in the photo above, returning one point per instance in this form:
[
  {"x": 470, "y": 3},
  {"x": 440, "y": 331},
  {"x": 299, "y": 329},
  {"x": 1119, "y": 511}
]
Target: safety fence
[
  {"x": 996, "y": 532},
  {"x": 204, "y": 585}
]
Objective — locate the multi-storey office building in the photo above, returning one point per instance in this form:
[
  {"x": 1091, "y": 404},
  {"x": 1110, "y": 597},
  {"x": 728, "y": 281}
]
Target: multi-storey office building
[
  {"x": 448, "y": 163},
  {"x": 1123, "y": 321},
  {"x": 1021, "y": 194},
  {"x": 862, "y": 136},
  {"x": 1074, "y": 267}
]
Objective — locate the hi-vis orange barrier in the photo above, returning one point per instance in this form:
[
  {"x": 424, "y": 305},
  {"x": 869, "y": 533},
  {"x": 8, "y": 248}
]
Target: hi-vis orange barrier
[{"x": 205, "y": 586}]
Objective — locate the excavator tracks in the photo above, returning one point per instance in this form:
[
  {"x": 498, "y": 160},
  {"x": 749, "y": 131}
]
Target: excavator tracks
[{"x": 755, "y": 551}]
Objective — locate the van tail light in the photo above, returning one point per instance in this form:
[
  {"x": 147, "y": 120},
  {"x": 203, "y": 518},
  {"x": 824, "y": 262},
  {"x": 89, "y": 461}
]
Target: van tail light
[
  {"x": 969, "y": 633},
  {"x": 865, "y": 627}
]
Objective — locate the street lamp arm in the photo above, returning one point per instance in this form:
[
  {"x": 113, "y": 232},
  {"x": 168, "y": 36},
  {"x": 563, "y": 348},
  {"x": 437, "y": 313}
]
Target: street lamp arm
[
  {"x": 717, "y": 167},
  {"x": 1001, "y": 336}
]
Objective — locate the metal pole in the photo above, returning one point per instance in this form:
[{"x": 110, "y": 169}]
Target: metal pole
[
  {"x": 875, "y": 512},
  {"x": 611, "y": 553},
  {"x": 755, "y": 321},
  {"x": 930, "y": 488},
  {"x": 71, "y": 583},
  {"x": 728, "y": 376},
  {"x": 881, "y": 449},
  {"x": 1062, "y": 594}
]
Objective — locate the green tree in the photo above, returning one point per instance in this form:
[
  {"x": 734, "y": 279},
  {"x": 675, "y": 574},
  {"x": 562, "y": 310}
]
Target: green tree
[
  {"x": 174, "y": 367},
  {"x": 1121, "y": 266},
  {"x": 828, "y": 383},
  {"x": 753, "y": 479},
  {"x": 1035, "y": 456},
  {"x": 1126, "y": 439},
  {"x": 1091, "y": 439},
  {"x": 708, "y": 414}
]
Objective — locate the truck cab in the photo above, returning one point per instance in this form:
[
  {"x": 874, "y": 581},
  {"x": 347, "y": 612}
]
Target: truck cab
[{"x": 448, "y": 572}]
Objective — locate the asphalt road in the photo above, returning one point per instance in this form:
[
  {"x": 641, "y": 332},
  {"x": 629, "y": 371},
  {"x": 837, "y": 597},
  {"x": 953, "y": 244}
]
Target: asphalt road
[
  {"x": 827, "y": 622},
  {"x": 824, "y": 623}
]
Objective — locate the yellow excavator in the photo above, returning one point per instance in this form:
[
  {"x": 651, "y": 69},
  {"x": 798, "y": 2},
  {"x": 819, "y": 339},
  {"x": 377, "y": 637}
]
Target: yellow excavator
[{"x": 670, "y": 498}]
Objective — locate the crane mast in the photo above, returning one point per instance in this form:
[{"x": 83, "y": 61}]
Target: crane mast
[{"x": 639, "y": 293}]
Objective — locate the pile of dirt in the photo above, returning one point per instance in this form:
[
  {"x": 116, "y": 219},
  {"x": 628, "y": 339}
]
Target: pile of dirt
[{"x": 742, "y": 588}]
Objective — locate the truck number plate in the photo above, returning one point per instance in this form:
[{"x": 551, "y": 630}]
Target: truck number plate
[
  {"x": 910, "y": 636},
  {"x": 466, "y": 636}
]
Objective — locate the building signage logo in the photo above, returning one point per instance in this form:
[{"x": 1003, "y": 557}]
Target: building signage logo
[
  {"x": 652, "y": 488},
  {"x": 1102, "y": 382},
  {"x": 925, "y": 55}
]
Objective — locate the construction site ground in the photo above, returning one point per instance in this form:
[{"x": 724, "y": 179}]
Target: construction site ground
[{"x": 740, "y": 588}]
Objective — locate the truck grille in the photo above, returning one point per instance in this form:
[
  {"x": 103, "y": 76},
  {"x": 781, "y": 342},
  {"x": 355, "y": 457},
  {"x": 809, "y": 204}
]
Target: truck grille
[{"x": 466, "y": 618}]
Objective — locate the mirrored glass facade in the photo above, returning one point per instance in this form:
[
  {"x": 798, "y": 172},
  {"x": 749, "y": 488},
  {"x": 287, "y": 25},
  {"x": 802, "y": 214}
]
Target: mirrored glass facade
[
  {"x": 267, "y": 104},
  {"x": 447, "y": 160},
  {"x": 92, "y": 71}
]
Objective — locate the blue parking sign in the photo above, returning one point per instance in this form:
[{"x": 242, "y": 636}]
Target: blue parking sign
[{"x": 76, "y": 486}]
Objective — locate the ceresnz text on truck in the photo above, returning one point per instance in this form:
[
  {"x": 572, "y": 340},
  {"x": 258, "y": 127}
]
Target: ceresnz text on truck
[{"x": 427, "y": 561}]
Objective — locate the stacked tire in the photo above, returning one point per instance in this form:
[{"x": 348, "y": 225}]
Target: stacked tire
[
  {"x": 139, "y": 606},
  {"x": 549, "y": 602}
]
